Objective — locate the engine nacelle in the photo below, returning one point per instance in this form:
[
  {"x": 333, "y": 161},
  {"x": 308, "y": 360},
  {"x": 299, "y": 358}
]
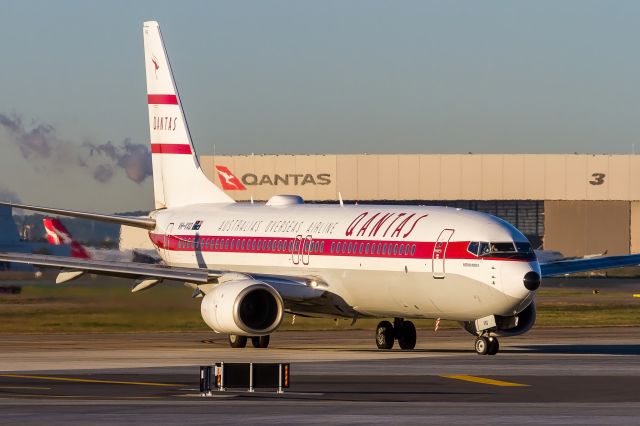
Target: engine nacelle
[
  {"x": 245, "y": 307},
  {"x": 509, "y": 326}
]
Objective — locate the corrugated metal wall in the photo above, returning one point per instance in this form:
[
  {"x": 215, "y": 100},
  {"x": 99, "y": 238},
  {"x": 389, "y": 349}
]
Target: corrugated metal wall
[
  {"x": 591, "y": 202},
  {"x": 579, "y": 228},
  {"x": 438, "y": 177}
]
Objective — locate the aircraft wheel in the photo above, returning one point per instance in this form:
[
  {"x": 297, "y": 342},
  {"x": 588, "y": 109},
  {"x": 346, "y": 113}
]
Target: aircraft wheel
[
  {"x": 384, "y": 335},
  {"x": 260, "y": 341},
  {"x": 406, "y": 334},
  {"x": 494, "y": 346},
  {"x": 482, "y": 345},
  {"x": 236, "y": 341}
]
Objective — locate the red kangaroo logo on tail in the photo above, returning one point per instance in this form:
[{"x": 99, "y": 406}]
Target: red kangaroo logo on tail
[
  {"x": 58, "y": 234},
  {"x": 228, "y": 179},
  {"x": 155, "y": 65}
]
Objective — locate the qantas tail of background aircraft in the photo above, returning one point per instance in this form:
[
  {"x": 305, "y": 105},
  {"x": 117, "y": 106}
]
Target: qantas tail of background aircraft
[
  {"x": 251, "y": 263},
  {"x": 57, "y": 234}
]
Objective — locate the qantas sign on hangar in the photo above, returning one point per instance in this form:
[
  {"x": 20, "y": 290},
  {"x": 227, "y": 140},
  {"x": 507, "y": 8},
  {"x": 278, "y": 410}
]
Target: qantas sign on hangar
[{"x": 552, "y": 197}]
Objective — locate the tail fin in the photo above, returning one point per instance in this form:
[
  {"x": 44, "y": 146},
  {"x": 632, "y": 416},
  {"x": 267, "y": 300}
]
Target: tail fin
[
  {"x": 57, "y": 234},
  {"x": 178, "y": 179}
]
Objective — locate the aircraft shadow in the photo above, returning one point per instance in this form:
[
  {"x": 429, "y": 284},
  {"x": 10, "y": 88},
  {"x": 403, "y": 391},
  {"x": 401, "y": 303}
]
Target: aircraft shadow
[{"x": 579, "y": 349}]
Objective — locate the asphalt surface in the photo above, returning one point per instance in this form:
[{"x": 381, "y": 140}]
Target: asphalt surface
[{"x": 549, "y": 376}]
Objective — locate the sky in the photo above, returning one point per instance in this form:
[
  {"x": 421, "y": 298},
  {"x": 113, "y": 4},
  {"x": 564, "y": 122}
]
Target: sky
[{"x": 331, "y": 76}]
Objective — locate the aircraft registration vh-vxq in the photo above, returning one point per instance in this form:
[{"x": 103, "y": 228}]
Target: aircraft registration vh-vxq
[{"x": 251, "y": 263}]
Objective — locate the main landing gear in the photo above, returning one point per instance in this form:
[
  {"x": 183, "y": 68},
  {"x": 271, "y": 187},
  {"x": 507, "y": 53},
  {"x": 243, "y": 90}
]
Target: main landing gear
[
  {"x": 487, "y": 345},
  {"x": 236, "y": 341},
  {"x": 402, "y": 331}
]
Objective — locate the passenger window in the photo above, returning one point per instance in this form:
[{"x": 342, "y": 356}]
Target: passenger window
[
  {"x": 322, "y": 247},
  {"x": 384, "y": 248},
  {"x": 406, "y": 250},
  {"x": 395, "y": 249},
  {"x": 413, "y": 249},
  {"x": 366, "y": 249},
  {"x": 361, "y": 248}
]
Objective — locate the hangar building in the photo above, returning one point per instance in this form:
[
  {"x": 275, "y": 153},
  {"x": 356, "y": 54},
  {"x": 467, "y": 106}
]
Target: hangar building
[{"x": 573, "y": 203}]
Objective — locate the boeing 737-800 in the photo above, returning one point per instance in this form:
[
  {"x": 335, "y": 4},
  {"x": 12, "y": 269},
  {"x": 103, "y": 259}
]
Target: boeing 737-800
[{"x": 254, "y": 262}]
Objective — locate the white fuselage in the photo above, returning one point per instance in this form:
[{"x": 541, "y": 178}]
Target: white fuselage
[{"x": 383, "y": 261}]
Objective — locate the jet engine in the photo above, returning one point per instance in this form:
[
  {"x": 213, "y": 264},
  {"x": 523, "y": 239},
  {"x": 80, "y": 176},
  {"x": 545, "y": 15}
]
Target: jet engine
[
  {"x": 243, "y": 307},
  {"x": 508, "y": 326}
]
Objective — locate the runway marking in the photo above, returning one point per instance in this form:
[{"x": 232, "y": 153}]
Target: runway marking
[
  {"x": 483, "y": 380},
  {"x": 74, "y": 379}
]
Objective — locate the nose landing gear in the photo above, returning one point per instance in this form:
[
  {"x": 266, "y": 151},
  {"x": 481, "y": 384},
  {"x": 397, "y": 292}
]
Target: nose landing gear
[
  {"x": 487, "y": 345},
  {"x": 402, "y": 331}
]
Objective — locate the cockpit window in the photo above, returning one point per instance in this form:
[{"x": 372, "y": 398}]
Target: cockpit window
[
  {"x": 473, "y": 247},
  {"x": 507, "y": 250}
]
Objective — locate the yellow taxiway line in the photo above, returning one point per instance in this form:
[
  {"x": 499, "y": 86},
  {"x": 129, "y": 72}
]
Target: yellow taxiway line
[
  {"x": 78, "y": 380},
  {"x": 483, "y": 380}
]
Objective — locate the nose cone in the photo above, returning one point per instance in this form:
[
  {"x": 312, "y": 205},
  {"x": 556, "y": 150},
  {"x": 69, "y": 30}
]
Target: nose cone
[{"x": 531, "y": 280}]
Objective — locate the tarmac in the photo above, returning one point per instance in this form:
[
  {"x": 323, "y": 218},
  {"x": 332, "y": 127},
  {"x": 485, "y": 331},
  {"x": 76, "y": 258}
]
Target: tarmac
[{"x": 548, "y": 376}]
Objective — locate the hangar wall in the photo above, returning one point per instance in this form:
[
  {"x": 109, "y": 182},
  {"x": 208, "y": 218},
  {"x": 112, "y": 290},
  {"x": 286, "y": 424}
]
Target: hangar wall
[
  {"x": 434, "y": 177},
  {"x": 579, "y": 228},
  {"x": 586, "y": 203}
]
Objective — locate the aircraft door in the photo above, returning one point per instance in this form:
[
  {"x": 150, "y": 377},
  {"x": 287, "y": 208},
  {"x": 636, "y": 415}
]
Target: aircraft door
[
  {"x": 306, "y": 250},
  {"x": 440, "y": 252},
  {"x": 296, "y": 250},
  {"x": 301, "y": 250},
  {"x": 167, "y": 241}
]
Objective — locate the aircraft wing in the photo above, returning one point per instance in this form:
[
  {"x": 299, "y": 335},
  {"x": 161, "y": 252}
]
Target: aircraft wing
[
  {"x": 304, "y": 295},
  {"x": 572, "y": 266},
  {"x": 112, "y": 268}
]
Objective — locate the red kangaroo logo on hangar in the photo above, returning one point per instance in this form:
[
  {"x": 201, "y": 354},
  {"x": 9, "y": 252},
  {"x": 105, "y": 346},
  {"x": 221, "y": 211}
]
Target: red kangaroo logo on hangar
[{"x": 229, "y": 181}]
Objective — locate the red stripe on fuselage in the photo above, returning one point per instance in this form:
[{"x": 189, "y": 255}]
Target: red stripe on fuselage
[
  {"x": 162, "y": 99},
  {"x": 320, "y": 247},
  {"x": 170, "y": 148}
]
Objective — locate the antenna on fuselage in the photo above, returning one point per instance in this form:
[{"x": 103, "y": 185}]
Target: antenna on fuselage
[{"x": 340, "y": 199}]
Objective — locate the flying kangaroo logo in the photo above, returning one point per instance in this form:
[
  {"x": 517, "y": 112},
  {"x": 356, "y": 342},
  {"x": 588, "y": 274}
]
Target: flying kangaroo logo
[
  {"x": 156, "y": 66},
  {"x": 228, "y": 179}
]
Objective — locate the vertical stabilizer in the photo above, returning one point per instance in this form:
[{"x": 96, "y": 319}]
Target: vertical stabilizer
[
  {"x": 57, "y": 234},
  {"x": 178, "y": 179}
]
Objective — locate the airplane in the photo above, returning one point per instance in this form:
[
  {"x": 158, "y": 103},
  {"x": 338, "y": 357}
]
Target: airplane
[
  {"x": 10, "y": 240},
  {"x": 251, "y": 263},
  {"x": 58, "y": 234}
]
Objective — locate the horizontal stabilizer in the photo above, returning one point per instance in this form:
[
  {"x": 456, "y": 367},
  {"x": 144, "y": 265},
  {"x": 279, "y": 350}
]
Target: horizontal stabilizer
[{"x": 137, "y": 222}]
